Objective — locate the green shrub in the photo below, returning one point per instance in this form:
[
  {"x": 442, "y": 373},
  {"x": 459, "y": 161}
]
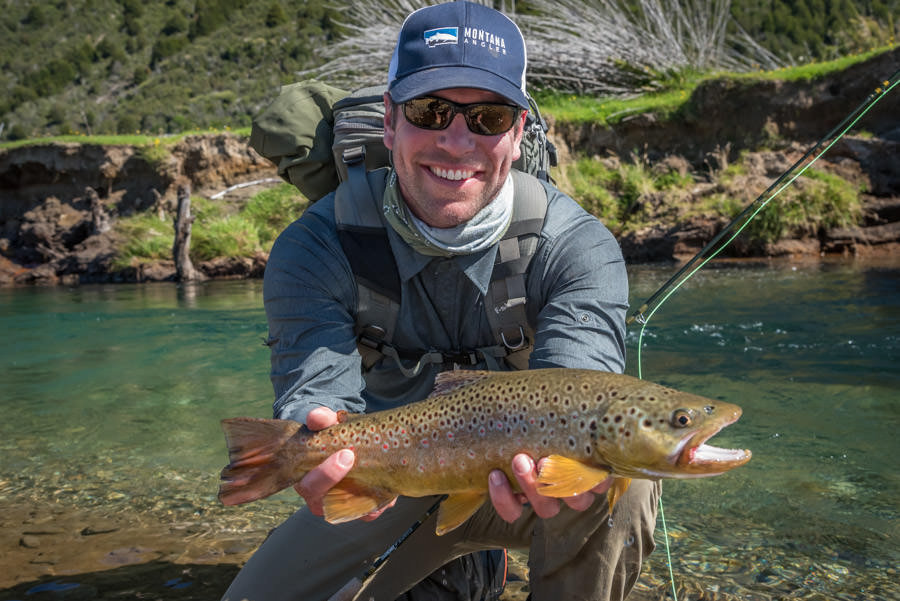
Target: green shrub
[
  {"x": 275, "y": 15},
  {"x": 233, "y": 236},
  {"x": 274, "y": 209},
  {"x": 146, "y": 239},
  {"x": 814, "y": 202},
  {"x": 588, "y": 184}
]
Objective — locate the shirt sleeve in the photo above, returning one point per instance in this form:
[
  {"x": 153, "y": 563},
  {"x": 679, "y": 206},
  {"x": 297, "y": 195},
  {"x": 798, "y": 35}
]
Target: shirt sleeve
[
  {"x": 309, "y": 294},
  {"x": 579, "y": 275}
]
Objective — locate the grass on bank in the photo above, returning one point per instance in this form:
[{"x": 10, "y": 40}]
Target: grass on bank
[
  {"x": 217, "y": 231},
  {"x": 630, "y": 196},
  {"x": 677, "y": 90},
  {"x": 138, "y": 139}
]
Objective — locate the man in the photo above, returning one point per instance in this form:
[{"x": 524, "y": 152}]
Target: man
[{"x": 455, "y": 112}]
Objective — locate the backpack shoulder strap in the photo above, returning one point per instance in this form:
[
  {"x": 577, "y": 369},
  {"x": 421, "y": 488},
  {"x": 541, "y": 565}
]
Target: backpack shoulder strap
[
  {"x": 505, "y": 303},
  {"x": 363, "y": 236},
  {"x": 361, "y": 231}
]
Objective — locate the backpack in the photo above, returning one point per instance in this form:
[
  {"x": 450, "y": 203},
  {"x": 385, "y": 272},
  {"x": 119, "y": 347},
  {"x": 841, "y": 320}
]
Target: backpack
[{"x": 322, "y": 139}]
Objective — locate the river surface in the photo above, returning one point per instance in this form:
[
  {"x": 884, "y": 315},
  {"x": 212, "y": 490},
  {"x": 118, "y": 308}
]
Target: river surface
[{"x": 111, "y": 397}]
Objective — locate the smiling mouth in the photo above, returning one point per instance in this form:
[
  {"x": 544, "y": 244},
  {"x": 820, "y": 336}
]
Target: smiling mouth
[{"x": 453, "y": 175}]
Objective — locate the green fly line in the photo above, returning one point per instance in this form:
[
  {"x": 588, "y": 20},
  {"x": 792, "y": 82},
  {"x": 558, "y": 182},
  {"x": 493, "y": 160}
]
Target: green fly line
[{"x": 649, "y": 308}]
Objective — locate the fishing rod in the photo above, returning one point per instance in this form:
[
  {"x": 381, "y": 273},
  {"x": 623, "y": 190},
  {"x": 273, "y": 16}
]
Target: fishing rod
[
  {"x": 737, "y": 225},
  {"x": 351, "y": 590}
]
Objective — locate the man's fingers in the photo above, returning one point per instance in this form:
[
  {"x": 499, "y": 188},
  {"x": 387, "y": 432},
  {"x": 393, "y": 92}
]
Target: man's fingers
[
  {"x": 505, "y": 501},
  {"x": 601, "y": 488},
  {"x": 320, "y": 418},
  {"x": 579, "y": 502},
  {"x": 526, "y": 473},
  {"x": 374, "y": 515},
  {"x": 319, "y": 480}
]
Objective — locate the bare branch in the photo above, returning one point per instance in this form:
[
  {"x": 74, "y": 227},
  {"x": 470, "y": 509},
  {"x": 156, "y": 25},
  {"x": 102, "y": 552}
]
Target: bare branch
[{"x": 584, "y": 46}]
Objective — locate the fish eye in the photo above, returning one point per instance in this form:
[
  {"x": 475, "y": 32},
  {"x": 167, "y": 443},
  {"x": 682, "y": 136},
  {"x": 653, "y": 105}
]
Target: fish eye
[{"x": 682, "y": 418}]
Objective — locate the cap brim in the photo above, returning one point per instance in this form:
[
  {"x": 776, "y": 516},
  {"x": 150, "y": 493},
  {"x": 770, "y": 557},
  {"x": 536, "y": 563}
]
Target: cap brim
[{"x": 422, "y": 83}]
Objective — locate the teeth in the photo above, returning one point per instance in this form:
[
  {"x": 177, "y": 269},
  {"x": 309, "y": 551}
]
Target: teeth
[{"x": 452, "y": 174}]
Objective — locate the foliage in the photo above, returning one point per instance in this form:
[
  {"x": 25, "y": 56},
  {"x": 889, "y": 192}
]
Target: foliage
[
  {"x": 163, "y": 66},
  {"x": 147, "y": 238},
  {"x": 217, "y": 231},
  {"x": 623, "y": 195},
  {"x": 817, "y": 201},
  {"x": 230, "y": 236},
  {"x": 675, "y": 92},
  {"x": 272, "y": 210},
  {"x": 155, "y": 153}
]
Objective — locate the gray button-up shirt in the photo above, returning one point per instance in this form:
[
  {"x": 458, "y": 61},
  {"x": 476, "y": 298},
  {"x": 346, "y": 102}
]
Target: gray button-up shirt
[{"x": 577, "y": 299}]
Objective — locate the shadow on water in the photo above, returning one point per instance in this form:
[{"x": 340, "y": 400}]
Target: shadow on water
[
  {"x": 160, "y": 580},
  {"x": 110, "y": 444}
]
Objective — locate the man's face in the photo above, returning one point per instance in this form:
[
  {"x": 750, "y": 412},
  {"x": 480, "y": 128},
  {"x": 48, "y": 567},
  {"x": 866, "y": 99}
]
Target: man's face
[{"x": 447, "y": 176}]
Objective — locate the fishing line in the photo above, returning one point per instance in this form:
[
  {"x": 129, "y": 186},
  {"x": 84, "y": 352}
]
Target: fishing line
[{"x": 738, "y": 224}]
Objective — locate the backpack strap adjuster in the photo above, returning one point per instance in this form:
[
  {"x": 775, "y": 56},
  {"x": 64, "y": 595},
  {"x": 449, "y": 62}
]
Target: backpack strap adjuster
[
  {"x": 519, "y": 344},
  {"x": 353, "y": 155}
]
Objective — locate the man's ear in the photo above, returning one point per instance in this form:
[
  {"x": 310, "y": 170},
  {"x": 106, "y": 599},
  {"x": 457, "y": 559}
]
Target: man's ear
[
  {"x": 388, "y": 122},
  {"x": 519, "y": 128}
]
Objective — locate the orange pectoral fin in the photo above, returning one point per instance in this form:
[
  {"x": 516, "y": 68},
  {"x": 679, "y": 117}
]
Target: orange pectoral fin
[
  {"x": 564, "y": 477},
  {"x": 456, "y": 509},
  {"x": 615, "y": 492},
  {"x": 349, "y": 500}
]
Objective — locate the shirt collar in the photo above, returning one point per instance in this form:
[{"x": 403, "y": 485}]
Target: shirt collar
[{"x": 477, "y": 266}]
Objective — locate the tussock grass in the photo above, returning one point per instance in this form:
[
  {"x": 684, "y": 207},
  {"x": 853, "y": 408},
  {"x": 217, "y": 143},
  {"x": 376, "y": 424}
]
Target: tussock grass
[{"x": 217, "y": 231}]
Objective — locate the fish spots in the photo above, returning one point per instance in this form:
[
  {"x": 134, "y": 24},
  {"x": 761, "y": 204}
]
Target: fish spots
[
  {"x": 572, "y": 442},
  {"x": 471, "y": 453}
]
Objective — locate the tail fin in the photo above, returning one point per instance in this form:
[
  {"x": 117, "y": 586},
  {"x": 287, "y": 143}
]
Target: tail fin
[{"x": 258, "y": 467}]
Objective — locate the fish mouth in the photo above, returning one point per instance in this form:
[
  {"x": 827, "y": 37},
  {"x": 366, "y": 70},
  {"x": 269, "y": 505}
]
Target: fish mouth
[{"x": 695, "y": 459}]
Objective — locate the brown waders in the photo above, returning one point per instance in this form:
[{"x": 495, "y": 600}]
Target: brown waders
[{"x": 573, "y": 556}]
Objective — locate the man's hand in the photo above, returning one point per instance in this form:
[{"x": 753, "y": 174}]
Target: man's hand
[
  {"x": 509, "y": 504},
  {"x": 322, "y": 478}
]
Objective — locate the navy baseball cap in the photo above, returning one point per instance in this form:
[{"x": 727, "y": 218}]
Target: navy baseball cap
[{"x": 458, "y": 45}]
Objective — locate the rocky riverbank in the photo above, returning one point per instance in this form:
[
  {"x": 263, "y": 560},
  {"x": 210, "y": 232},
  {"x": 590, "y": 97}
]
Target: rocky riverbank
[{"x": 59, "y": 202}]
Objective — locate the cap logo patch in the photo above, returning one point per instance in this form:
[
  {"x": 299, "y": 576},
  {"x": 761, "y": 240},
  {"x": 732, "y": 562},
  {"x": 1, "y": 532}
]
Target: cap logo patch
[{"x": 441, "y": 36}]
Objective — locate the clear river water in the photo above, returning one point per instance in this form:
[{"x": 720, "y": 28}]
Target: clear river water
[{"x": 111, "y": 397}]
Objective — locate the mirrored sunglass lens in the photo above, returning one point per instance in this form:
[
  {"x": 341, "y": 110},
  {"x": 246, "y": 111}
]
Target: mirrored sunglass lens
[
  {"x": 490, "y": 119},
  {"x": 429, "y": 113}
]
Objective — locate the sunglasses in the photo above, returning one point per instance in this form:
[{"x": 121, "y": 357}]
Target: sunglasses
[{"x": 483, "y": 118}]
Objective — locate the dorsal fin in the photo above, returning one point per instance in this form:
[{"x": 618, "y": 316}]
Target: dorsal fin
[{"x": 448, "y": 381}]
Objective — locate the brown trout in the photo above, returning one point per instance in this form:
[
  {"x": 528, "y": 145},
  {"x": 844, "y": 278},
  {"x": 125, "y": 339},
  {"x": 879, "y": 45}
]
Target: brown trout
[{"x": 587, "y": 425}]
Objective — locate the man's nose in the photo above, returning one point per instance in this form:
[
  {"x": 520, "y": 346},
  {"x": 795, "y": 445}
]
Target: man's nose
[{"x": 456, "y": 139}]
